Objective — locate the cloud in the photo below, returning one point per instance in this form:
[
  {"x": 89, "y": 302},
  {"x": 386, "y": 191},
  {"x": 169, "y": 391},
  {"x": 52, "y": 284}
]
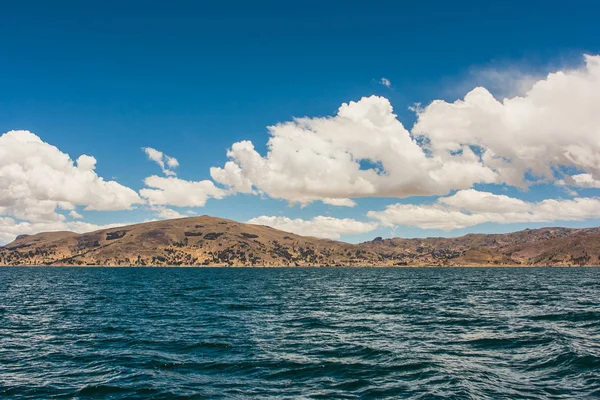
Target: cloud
[
  {"x": 525, "y": 138},
  {"x": 385, "y": 82},
  {"x": 178, "y": 192},
  {"x": 166, "y": 163},
  {"x": 172, "y": 162},
  {"x": 170, "y": 190},
  {"x": 339, "y": 202},
  {"x": 580, "y": 180},
  {"x": 363, "y": 151},
  {"x": 167, "y": 213},
  {"x": 154, "y": 155},
  {"x": 37, "y": 179},
  {"x": 320, "y": 226},
  {"x": 471, "y": 207},
  {"x": 75, "y": 214}
]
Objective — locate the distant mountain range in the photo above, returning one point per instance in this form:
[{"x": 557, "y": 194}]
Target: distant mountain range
[{"x": 219, "y": 242}]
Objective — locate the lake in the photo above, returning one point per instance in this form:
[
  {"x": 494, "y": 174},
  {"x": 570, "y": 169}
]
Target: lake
[{"x": 369, "y": 333}]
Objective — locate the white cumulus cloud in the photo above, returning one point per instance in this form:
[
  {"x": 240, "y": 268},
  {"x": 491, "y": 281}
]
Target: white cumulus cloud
[
  {"x": 167, "y": 213},
  {"x": 319, "y": 226},
  {"x": 365, "y": 151},
  {"x": 580, "y": 180},
  {"x": 471, "y": 207},
  {"x": 178, "y": 192},
  {"x": 554, "y": 124},
  {"x": 165, "y": 162},
  {"x": 37, "y": 179},
  {"x": 75, "y": 214}
]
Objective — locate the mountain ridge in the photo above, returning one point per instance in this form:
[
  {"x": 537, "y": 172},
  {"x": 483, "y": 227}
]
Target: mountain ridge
[{"x": 212, "y": 241}]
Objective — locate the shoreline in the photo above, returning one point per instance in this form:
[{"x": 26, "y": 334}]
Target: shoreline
[{"x": 303, "y": 266}]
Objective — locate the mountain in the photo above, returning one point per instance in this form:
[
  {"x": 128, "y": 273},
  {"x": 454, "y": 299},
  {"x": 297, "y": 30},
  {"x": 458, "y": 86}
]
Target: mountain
[
  {"x": 534, "y": 247},
  {"x": 219, "y": 242}
]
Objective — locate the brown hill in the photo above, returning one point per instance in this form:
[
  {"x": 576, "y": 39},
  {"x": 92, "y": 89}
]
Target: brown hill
[
  {"x": 545, "y": 246},
  {"x": 220, "y": 242}
]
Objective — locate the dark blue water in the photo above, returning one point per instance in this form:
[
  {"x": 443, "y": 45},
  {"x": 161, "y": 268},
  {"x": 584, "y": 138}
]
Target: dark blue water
[{"x": 300, "y": 333}]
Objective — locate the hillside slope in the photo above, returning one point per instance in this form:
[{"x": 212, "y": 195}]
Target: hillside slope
[
  {"x": 187, "y": 241},
  {"x": 219, "y": 242},
  {"x": 545, "y": 246}
]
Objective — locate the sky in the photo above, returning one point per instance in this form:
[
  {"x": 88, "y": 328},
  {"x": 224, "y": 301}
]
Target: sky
[{"x": 344, "y": 120}]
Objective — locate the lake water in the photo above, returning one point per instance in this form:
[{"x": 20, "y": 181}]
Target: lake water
[{"x": 511, "y": 333}]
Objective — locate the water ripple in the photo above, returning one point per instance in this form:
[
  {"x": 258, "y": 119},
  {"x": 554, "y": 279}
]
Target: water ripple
[{"x": 127, "y": 333}]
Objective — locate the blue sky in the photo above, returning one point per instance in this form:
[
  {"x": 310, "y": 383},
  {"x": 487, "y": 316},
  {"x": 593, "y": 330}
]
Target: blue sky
[{"x": 190, "y": 79}]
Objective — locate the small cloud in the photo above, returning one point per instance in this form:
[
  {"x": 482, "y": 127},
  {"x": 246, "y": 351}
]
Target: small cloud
[
  {"x": 163, "y": 191},
  {"x": 416, "y": 108},
  {"x": 75, "y": 214},
  {"x": 572, "y": 193},
  {"x": 339, "y": 202},
  {"x": 385, "y": 82},
  {"x": 166, "y": 213},
  {"x": 159, "y": 157},
  {"x": 320, "y": 226},
  {"x": 172, "y": 162},
  {"x": 471, "y": 207}
]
